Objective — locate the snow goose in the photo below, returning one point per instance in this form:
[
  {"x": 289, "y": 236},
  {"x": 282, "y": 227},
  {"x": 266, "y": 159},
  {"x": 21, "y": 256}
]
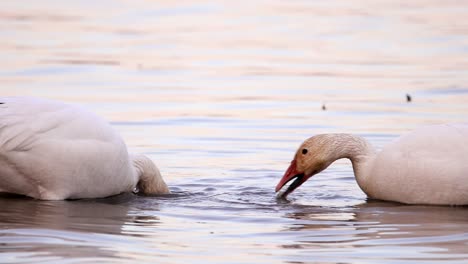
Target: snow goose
[
  {"x": 426, "y": 166},
  {"x": 50, "y": 150}
]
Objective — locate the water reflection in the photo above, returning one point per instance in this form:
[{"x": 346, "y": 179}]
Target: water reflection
[
  {"x": 102, "y": 215},
  {"x": 382, "y": 228},
  {"x": 92, "y": 230}
]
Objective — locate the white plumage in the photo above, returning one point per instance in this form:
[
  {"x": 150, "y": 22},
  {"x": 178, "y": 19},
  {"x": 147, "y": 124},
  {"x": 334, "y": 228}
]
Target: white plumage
[
  {"x": 51, "y": 150},
  {"x": 426, "y": 166}
]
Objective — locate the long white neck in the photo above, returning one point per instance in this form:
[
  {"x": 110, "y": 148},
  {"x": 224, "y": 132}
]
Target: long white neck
[
  {"x": 150, "y": 180},
  {"x": 359, "y": 151}
]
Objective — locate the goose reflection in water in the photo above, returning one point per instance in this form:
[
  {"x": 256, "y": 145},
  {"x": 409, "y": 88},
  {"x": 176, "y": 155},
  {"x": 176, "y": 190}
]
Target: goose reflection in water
[
  {"x": 423, "y": 231},
  {"x": 93, "y": 228}
]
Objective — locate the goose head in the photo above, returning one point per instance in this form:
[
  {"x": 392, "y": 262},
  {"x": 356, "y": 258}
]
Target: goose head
[{"x": 313, "y": 156}]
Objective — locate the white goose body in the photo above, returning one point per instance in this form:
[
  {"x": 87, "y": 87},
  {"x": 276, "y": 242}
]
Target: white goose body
[
  {"x": 426, "y": 166},
  {"x": 51, "y": 150}
]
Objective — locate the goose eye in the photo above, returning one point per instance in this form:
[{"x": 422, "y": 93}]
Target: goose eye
[{"x": 304, "y": 151}]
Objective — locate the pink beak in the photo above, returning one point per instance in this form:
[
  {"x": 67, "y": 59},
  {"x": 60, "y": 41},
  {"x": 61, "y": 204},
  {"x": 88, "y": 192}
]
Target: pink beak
[{"x": 290, "y": 173}]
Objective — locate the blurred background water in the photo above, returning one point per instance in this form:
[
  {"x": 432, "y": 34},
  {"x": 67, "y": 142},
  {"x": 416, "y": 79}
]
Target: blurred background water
[{"x": 220, "y": 94}]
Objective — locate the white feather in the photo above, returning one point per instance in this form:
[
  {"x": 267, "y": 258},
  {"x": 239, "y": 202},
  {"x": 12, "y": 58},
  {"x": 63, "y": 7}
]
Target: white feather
[{"x": 426, "y": 166}]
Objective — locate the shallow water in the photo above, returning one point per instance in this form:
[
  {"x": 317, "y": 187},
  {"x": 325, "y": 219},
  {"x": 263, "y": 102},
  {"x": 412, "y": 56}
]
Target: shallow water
[{"x": 219, "y": 95}]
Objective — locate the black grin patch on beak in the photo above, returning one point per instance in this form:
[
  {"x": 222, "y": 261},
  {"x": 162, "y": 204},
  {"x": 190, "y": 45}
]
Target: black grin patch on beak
[{"x": 298, "y": 180}]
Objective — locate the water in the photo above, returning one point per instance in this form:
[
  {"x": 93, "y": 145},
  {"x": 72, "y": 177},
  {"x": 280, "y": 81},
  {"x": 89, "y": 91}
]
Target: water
[{"x": 220, "y": 95}]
